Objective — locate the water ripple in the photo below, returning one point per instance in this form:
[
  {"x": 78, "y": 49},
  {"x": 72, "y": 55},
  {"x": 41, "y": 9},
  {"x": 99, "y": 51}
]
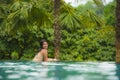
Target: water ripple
[{"x": 21, "y": 70}]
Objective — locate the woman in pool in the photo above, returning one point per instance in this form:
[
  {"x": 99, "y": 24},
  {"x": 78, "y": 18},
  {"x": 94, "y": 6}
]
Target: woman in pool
[{"x": 43, "y": 53}]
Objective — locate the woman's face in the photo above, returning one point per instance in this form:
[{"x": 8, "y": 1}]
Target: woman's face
[{"x": 45, "y": 45}]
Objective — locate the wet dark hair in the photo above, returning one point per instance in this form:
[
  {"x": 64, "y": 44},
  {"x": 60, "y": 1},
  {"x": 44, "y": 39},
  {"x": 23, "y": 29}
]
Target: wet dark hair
[{"x": 41, "y": 44}]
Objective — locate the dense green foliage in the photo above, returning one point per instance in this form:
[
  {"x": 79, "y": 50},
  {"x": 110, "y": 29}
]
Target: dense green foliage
[{"x": 87, "y": 30}]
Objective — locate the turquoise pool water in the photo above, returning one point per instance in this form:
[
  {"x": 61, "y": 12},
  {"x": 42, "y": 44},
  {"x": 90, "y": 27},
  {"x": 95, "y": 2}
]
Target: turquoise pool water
[{"x": 23, "y": 70}]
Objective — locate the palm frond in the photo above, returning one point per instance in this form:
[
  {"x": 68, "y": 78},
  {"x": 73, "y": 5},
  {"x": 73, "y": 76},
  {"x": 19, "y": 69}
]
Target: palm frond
[
  {"x": 69, "y": 18},
  {"x": 22, "y": 13},
  {"x": 99, "y": 3},
  {"x": 95, "y": 18}
]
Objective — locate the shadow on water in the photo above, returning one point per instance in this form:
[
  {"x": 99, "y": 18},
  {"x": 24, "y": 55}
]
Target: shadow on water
[
  {"x": 61, "y": 73},
  {"x": 118, "y": 71},
  {"x": 6, "y": 71},
  {"x": 10, "y": 70},
  {"x": 3, "y": 75}
]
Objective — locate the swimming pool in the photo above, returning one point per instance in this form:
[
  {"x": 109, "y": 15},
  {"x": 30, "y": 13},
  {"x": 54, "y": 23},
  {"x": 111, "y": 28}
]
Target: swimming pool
[{"x": 25, "y": 70}]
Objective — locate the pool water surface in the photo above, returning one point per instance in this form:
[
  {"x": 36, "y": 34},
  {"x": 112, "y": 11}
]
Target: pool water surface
[{"x": 26, "y": 70}]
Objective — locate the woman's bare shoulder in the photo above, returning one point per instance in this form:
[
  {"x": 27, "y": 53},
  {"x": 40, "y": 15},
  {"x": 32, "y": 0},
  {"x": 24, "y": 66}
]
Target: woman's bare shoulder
[{"x": 44, "y": 51}]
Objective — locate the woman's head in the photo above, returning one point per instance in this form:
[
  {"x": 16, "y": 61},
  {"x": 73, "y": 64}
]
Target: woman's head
[{"x": 43, "y": 44}]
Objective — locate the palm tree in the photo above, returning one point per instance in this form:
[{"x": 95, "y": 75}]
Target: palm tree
[
  {"x": 118, "y": 31},
  {"x": 56, "y": 26},
  {"x": 64, "y": 16},
  {"x": 69, "y": 18}
]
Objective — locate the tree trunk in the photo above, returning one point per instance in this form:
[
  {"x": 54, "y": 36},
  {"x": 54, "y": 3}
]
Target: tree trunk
[
  {"x": 118, "y": 31},
  {"x": 56, "y": 26}
]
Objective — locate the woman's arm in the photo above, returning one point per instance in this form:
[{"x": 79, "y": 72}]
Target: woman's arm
[
  {"x": 52, "y": 59},
  {"x": 45, "y": 55}
]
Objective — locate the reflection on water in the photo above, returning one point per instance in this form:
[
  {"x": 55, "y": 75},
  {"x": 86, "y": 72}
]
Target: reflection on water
[
  {"x": 118, "y": 71},
  {"x": 22, "y": 70}
]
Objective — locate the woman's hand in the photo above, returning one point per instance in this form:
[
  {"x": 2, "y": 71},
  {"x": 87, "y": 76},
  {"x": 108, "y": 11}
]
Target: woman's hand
[{"x": 52, "y": 59}]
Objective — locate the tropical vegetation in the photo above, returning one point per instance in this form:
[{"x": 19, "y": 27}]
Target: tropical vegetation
[{"x": 87, "y": 32}]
